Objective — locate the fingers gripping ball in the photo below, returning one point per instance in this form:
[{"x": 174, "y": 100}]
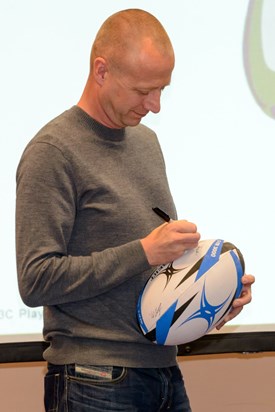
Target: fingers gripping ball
[{"x": 184, "y": 300}]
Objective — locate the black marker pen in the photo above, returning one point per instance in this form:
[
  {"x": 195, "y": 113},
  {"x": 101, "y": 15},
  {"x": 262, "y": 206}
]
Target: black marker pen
[{"x": 162, "y": 214}]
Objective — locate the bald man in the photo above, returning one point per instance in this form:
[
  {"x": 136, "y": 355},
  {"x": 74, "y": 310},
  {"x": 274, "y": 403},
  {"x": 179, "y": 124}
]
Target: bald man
[{"x": 87, "y": 239}]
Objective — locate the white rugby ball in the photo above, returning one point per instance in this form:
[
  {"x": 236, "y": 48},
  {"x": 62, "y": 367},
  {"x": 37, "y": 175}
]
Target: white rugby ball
[{"x": 185, "y": 299}]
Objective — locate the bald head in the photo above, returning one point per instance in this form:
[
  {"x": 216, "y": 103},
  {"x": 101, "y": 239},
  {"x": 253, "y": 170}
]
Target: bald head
[
  {"x": 125, "y": 35},
  {"x": 132, "y": 60}
]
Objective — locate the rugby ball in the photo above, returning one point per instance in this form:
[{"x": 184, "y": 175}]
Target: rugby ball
[{"x": 185, "y": 299}]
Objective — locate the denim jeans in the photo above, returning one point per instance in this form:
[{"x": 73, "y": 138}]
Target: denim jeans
[{"x": 86, "y": 388}]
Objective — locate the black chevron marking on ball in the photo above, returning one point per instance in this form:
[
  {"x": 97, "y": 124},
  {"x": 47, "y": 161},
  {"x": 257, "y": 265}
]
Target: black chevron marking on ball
[
  {"x": 193, "y": 269},
  {"x": 169, "y": 272},
  {"x": 181, "y": 309},
  {"x": 151, "y": 335}
]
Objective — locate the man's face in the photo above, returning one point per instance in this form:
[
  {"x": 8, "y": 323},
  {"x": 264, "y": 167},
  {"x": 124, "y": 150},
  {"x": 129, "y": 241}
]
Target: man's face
[{"x": 129, "y": 94}]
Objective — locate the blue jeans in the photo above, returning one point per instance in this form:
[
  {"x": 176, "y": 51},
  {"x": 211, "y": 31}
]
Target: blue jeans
[{"x": 86, "y": 388}]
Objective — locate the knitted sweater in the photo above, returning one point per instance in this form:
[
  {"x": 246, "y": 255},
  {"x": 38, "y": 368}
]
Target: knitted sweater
[{"x": 84, "y": 200}]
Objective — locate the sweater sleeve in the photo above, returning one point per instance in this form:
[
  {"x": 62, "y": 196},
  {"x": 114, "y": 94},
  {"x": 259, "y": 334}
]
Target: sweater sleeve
[{"x": 46, "y": 201}]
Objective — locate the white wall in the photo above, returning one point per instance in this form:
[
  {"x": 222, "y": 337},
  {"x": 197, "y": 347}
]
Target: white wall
[{"x": 216, "y": 383}]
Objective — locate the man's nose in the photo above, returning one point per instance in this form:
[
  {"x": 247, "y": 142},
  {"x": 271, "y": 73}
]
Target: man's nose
[{"x": 152, "y": 101}]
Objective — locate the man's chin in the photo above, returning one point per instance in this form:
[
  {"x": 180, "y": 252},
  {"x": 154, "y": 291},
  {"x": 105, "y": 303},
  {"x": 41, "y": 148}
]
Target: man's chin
[
  {"x": 134, "y": 119},
  {"x": 131, "y": 121},
  {"x": 134, "y": 122}
]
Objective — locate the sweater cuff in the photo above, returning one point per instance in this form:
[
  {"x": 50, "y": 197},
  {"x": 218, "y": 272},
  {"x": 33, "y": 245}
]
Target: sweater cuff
[{"x": 136, "y": 257}]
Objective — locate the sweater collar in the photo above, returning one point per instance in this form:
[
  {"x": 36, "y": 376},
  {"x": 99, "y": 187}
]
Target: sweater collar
[{"x": 101, "y": 130}]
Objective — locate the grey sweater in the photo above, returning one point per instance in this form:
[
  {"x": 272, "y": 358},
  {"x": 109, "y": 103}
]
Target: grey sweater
[{"x": 84, "y": 200}]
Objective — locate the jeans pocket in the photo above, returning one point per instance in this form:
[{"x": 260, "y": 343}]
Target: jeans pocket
[
  {"x": 51, "y": 398},
  {"x": 94, "y": 387},
  {"x": 98, "y": 374}
]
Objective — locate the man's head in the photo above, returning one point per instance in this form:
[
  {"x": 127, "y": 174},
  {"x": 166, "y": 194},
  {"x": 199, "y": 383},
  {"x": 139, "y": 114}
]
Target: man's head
[{"x": 132, "y": 60}]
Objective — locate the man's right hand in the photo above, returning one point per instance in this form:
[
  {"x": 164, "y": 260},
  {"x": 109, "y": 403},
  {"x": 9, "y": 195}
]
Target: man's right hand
[{"x": 168, "y": 241}]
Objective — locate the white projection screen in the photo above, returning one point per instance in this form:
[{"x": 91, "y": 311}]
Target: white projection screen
[{"x": 216, "y": 126}]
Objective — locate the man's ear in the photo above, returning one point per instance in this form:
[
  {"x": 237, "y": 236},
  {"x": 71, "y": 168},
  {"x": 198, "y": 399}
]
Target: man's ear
[{"x": 100, "y": 70}]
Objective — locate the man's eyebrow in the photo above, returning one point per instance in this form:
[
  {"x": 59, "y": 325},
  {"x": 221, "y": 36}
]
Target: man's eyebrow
[{"x": 148, "y": 89}]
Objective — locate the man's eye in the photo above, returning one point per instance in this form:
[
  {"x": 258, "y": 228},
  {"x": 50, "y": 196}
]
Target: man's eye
[{"x": 144, "y": 93}]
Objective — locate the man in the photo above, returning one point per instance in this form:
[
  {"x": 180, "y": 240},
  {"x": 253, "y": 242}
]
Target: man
[{"x": 87, "y": 239}]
